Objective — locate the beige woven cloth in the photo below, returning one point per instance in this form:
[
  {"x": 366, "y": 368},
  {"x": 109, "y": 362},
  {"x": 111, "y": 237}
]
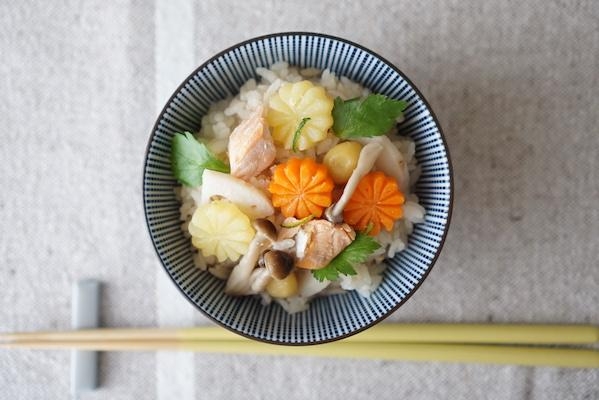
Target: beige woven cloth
[{"x": 515, "y": 86}]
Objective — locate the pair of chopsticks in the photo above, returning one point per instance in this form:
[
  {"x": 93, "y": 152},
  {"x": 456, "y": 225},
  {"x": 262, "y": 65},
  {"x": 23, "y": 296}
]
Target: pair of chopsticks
[{"x": 531, "y": 345}]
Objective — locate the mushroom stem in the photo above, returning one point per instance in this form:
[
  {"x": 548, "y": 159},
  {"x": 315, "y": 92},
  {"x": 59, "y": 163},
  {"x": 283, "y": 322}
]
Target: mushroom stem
[
  {"x": 239, "y": 282},
  {"x": 260, "y": 278},
  {"x": 391, "y": 161},
  {"x": 366, "y": 160}
]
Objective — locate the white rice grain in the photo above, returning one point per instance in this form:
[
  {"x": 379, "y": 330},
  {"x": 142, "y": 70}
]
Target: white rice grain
[
  {"x": 413, "y": 212},
  {"x": 266, "y": 74},
  {"x": 293, "y": 304}
]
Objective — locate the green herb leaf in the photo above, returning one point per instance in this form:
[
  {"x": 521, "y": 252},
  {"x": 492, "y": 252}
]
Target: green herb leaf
[
  {"x": 298, "y": 133},
  {"x": 367, "y": 117},
  {"x": 189, "y": 158},
  {"x": 356, "y": 253}
]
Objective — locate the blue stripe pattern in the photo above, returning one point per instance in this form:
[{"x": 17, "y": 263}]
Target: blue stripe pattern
[{"x": 328, "y": 318}]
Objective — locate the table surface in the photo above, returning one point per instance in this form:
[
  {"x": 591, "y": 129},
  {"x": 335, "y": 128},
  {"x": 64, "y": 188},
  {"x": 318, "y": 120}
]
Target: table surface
[{"x": 514, "y": 84}]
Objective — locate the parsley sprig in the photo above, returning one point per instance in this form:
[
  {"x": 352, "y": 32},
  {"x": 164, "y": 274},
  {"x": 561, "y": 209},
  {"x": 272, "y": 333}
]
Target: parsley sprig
[
  {"x": 373, "y": 115},
  {"x": 189, "y": 158},
  {"x": 356, "y": 253}
]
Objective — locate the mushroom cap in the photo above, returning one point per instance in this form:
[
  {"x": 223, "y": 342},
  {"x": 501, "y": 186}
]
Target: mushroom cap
[
  {"x": 266, "y": 228},
  {"x": 278, "y": 263}
]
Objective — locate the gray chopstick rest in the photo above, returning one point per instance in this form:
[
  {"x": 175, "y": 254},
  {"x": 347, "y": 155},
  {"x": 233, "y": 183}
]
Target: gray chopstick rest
[{"x": 86, "y": 314}]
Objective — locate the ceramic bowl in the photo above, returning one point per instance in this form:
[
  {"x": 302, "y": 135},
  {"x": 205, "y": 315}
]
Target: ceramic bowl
[{"x": 328, "y": 318}]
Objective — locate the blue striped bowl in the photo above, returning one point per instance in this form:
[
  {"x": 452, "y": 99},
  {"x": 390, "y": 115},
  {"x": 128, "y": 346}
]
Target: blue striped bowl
[{"x": 328, "y": 318}]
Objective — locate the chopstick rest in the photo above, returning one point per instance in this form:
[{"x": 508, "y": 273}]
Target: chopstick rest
[{"x": 86, "y": 314}]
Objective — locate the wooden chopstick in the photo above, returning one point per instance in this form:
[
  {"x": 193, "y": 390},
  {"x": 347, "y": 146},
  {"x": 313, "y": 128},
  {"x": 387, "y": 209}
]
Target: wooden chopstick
[
  {"x": 541, "y": 334},
  {"x": 478, "y": 343},
  {"x": 462, "y": 353}
]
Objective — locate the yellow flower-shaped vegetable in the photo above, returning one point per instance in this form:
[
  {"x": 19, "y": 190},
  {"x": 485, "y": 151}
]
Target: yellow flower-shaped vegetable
[
  {"x": 220, "y": 229},
  {"x": 300, "y": 114}
]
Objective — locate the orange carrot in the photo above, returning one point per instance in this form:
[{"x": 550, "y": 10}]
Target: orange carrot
[
  {"x": 301, "y": 187},
  {"x": 377, "y": 202}
]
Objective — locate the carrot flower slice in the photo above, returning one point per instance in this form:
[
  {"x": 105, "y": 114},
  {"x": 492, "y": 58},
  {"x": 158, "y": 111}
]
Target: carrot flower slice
[
  {"x": 377, "y": 202},
  {"x": 301, "y": 187}
]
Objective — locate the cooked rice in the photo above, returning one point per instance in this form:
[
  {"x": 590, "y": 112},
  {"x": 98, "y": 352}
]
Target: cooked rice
[{"x": 224, "y": 116}]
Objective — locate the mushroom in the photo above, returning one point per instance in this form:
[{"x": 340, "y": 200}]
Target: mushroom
[
  {"x": 289, "y": 228},
  {"x": 273, "y": 264},
  {"x": 319, "y": 241},
  {"x": 283, "y": 244},
  {"x": 259, "y": 279},
  {"x": 239, "y": 282},
  {"x": 367, "y": 159},
  {"x": 391, "y": 161},
  {"x": 278, "y": 263},
  {"x": 252, "y": 201}
]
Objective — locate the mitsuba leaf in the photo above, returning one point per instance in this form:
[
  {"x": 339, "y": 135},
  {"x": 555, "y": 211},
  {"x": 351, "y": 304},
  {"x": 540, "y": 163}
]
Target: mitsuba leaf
[
  {"x": 373, "y": 115},
  {"x": 356, "y": 253},
  {"x": 189, "y": 158}
]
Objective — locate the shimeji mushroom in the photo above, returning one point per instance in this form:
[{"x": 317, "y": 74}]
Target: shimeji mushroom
[
  {"x": 275, "y": 264},
  {"x": 368, "y": 156},
  {"x": 240, "y": 282},
  {"x": 250, "y": 200},
  {"x": 278, "y": 263},
  {"x": 259, "y": 279},
  {"x": 390, "y": 161}
]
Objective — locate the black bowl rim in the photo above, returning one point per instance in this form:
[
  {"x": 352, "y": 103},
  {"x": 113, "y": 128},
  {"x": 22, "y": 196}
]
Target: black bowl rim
[{"x": 435, "y": 119}]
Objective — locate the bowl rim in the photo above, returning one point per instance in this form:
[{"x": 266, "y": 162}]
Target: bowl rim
[{"x": 422, "y": 98}]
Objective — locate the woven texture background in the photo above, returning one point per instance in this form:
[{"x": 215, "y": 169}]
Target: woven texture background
[{"x": 515, "y": 86}]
